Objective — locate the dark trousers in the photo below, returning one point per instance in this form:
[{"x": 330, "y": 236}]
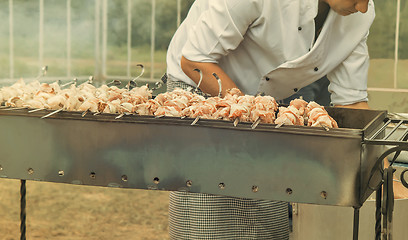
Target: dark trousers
[{"x": 316, "y": 91}]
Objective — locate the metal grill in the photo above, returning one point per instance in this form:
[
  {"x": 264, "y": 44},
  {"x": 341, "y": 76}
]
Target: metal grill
[
  {"x": 397, "y": 136},
  {"x": 339, "y": 167}
]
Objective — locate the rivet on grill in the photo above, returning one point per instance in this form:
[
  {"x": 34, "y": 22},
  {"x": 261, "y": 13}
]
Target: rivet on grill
[
  {"x": 30, "y": 171},
  {"x": 189, "y": 183},
  {"x": 289, "y": 191},
  {"x": 92, "y": 175},
  {"x": 255, "y": 189},
  {"x": 61, "y": 173},
  {"x": 221, "y": 186},
  {"x": 156, "y": 180},
  {"x": 124, "y": 178},
  {"x": 323, "y": 194}
]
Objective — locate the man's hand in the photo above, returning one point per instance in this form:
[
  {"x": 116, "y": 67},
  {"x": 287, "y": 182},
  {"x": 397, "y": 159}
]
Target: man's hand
[{"x": 359, "y": 105}]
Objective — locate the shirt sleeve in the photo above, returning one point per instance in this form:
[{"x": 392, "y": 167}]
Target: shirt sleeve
[
  {"x": 348, "y": 82},
  {"x": 220, "y": 29}
]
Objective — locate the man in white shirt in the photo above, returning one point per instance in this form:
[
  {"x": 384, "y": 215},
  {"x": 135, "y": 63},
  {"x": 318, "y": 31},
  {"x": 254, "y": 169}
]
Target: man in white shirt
[{"x": 275, "y": 47}]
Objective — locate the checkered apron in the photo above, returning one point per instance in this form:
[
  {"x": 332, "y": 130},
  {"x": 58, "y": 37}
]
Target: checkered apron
[{"x": 205, "y": 216}]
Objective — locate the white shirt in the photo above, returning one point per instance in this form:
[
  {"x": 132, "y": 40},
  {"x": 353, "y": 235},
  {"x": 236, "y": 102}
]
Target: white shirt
[{"x": 268, "y": 46}]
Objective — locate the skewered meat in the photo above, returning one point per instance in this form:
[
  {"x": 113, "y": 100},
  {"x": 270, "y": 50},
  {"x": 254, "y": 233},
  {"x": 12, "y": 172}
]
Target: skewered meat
[
  {"x": 264, "y": 109},
  {"x": 179, "y": 103},
  {"x": 289, "y": 116},
  {"x": 318, "y": 117},
  {"x": 300, "y": 105}
]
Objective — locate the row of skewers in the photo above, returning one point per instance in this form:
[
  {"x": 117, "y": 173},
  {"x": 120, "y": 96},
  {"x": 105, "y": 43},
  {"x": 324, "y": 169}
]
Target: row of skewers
[
  {"x": 108, "y": 98},
  {"x": 234, "y": 106}
]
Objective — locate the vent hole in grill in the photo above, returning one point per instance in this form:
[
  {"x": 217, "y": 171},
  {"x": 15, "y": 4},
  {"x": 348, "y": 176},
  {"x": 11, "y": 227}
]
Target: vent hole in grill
[
  {"x": 92, "y": 175},
  {"x": 189, "y": 183},
  {"x": 289, "y": 191},
  {"x": 124, "y": 178},
  {"x": 30, "y": 171},
  {"x": 156, "y": 180},
  {"x": 255, "y": 189},
  {"x": 61, "y": 173},
  {"x": 323, "y": 194},
  {"x": 221, "y": 186}
]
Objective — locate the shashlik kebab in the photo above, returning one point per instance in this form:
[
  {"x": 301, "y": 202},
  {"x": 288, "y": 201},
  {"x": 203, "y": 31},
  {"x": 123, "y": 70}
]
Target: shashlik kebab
[{"x": 234, "y": 106}]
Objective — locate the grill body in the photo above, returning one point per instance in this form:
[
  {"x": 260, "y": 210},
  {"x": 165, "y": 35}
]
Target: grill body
[{"x": 294, "y": 164}]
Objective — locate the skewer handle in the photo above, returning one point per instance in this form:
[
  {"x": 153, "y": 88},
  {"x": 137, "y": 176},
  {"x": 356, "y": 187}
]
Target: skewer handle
[
  {"x": 256, "y": 123},
  {"x": 195, "y": 121},
  {"x": 219, "y": 84},
  {"x": 50, "y": 114},
  {"x": 280, "y": 125},
  {"x": 201, "y": 79}
]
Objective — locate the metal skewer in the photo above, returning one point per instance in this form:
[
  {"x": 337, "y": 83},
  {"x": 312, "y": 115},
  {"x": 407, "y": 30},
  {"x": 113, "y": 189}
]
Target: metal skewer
[
  {"x": 195, "y": 120},
  {"x": 114, "y": 82},
  {"x": 325, "y": 127},
  {"x": 43, "y": 72},
  {"x": 157, "y": 85},
  {"x": 280, "y": 125},
  {"x": 69, "y": 83},
  {"x": 121, "y": 115},
  {"x": 256, "y": 123},
  {"x": 201, "y": 79},
  {"x": 50, "y": 114},
  {"x": 84, "y": 113},
  {"x": 90, "y": 79},
  {"x": 131, "y": 84},
  {"x": 236, "y": 121},
  {"x": 141, "y": 74},
  {"x": 36, "y": 110},
  {"x": 219, "y": 84}
]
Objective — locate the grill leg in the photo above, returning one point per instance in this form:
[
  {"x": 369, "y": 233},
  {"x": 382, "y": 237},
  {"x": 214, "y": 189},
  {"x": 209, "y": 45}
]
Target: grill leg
[
  {"x": 356, "y": 223},
  {"x": 378, "y": 214},
  {"x": 23, "y": 210}
]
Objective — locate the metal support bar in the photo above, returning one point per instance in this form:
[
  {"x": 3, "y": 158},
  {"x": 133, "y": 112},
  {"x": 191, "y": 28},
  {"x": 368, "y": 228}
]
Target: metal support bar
[
  {"x": 378, "y": 214},
  {"x": 356, "y": 223},
  {"x": 23, "y": 210},
  {"x": 388, "y": 203}
]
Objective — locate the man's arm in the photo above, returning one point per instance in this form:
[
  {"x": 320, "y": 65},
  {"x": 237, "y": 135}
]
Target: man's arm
[
  {"x": 209, "y": 83},
  {"x": 358, "y": 105}
]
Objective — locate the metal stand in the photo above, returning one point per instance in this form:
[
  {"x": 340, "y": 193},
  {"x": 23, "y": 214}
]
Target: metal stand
[
  {"x": 356, "y": 223},
  {"x": 385, "y": 194},
  {"x": 23, "y": 210},
  {"x": 378, "y": 214},
  {"x": 388, "y": 203}
]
